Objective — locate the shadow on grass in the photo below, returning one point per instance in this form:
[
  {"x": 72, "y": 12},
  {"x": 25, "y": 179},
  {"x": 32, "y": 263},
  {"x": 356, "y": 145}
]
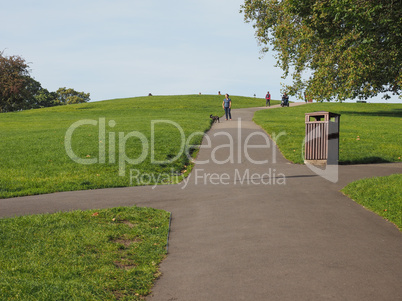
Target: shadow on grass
[
  {"x": 389, "y": 113},
  {"x": 367, "y": 160}
]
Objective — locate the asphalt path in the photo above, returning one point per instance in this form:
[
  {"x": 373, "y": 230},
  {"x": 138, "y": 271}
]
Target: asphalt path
[{"x": 249, "y": 225}]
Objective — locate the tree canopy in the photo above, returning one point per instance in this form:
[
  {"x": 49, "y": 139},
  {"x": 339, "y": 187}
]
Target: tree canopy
[
  {"x": 15, "y": 84},
  {"x": 70, "y": 96},
  {"x": 19, "y": 91},
  {"x": 334, "y": 49}
]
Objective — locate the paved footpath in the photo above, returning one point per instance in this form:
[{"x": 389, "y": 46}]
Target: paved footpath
[{"x": 253, "y": 230}]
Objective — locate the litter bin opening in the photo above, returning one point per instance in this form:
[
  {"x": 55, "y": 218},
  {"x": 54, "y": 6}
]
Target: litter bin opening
[{"x": 316, "y": 118}]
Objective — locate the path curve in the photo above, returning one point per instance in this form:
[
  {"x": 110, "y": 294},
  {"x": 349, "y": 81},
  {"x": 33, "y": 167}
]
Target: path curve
[{"x": 272, "y": 231}]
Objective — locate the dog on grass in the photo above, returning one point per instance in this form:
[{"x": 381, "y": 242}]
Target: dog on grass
[{"x": 214, "y": 118}]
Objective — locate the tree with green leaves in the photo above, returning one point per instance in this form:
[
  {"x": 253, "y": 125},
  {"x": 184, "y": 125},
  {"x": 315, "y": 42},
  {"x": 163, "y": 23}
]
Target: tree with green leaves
[
  {"x": 70, "y": 96},
  {"x": 44, "y": 98},
  {"x": 334, "y": 49}
]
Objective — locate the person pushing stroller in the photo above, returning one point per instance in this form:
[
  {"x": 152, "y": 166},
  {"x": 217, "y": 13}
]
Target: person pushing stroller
[{"x": 285, "y": 100}]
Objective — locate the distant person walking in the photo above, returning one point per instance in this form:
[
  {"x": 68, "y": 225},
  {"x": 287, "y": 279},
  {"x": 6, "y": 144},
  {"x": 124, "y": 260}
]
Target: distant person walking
[
  {"x": 227, "y": 105},
  {"x": 268, "y": 99}
]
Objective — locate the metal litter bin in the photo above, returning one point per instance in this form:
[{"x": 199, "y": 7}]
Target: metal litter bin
[{"x": 322, "y": 138}]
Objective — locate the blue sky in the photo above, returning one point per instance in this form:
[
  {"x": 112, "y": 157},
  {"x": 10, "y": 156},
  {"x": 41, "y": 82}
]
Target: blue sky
[{"x": 125, "y": 48}]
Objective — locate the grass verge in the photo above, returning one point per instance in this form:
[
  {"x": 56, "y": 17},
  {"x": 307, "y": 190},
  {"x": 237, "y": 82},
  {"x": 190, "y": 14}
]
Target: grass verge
[
  {"x": 110, "y": 254},
  {"x": 369, "y": 133},
  {"x": 33, "y": 151},
  {"x": 382, "y": 195}
]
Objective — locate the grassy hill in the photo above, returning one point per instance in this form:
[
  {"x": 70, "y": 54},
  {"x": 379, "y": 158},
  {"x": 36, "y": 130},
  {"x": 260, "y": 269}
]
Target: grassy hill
[
  {"x": 33, "y": 143},
  {"x": 116, "y": 136}
]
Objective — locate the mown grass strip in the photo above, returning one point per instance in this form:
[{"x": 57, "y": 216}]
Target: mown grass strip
[
  {"x": 382, "y": 195},
  {"x": 109, "y": 254}
]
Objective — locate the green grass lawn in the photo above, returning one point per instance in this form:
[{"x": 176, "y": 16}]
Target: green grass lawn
[
  {"x": 382, "y": 195},
  {"x": 34, "y": 158},
  {"x": 110, "y": 254},
  {"x": 32, "y": 143},
  {"x": 369, "y": 133}
]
